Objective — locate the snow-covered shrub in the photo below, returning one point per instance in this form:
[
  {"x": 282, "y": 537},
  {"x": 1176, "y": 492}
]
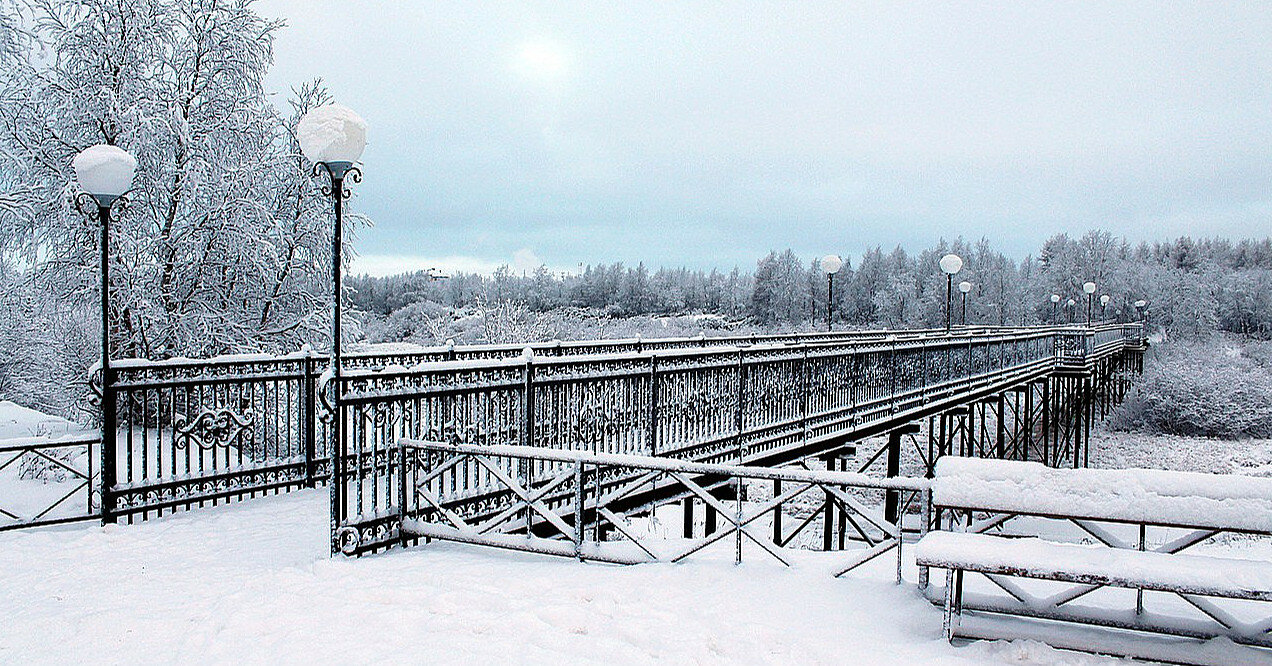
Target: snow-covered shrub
[{"x": 1201, "y": 389}]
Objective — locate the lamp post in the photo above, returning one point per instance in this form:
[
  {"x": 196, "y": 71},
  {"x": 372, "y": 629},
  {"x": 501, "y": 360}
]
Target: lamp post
[
  {"x": 333, "y": 138},
  {"x": 831, "y": 264},
  {"x": 1055, "y": 305},
  {"x": 964, "y": 288},
  {"x": 1141, "y": 306},
  {"x": 951, "y": 264},
  {"x": 1071, "y": 308},
  {"x": 1089, "y": 288},
  {"x": 1104, "y": 306},
  {"x": 104, "y": 173}
]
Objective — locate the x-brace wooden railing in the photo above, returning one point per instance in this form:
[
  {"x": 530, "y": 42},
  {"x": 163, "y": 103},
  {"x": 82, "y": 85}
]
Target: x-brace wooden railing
[{"x": 586, "y": 505}]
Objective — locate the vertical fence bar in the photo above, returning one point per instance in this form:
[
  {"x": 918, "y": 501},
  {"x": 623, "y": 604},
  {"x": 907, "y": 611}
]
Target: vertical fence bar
[
  {"x": 653, "y": 404},
  {"x": 110, "y": 430},
  {"x": 309, "y": 382}
]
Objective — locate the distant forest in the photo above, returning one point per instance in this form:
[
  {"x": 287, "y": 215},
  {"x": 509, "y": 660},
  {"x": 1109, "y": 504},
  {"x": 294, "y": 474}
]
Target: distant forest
[{"x": 1193, "y": 287}]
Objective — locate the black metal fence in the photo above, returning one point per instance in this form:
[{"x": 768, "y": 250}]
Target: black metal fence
[
  {"x": 740, "y": 404},
  {"x": 198, "y": 432},
  {"x": 49, "y": 480}
]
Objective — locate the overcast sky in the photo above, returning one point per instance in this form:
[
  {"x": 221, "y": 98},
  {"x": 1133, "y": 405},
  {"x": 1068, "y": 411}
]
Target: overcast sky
[{"x": 705, "y": 133}]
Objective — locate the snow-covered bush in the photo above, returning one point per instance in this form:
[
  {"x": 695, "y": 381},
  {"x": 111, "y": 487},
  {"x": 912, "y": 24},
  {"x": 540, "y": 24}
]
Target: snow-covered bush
[{"x": 1214, "y": 388}]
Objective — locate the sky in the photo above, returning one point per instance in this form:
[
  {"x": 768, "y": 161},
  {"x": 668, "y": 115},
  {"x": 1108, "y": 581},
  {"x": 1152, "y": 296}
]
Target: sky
[{"x": 705, "y": 134}]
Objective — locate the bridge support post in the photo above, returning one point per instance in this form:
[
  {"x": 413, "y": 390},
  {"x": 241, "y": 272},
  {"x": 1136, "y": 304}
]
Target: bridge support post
[
  {"x": 686, "y": 505},
  {"x": 777, "y": 513},
  {"x": 828, "y": 517},
  {"x": 892, "y": 497}
]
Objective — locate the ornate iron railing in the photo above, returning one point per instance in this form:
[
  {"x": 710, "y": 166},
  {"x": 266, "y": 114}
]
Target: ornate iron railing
[
  {"x": 199, "y": 432},
  {"x": 753, "y": 404},
  {"x": 193, "y": 432}
]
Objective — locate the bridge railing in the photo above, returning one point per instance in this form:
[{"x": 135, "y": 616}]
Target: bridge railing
[
  {"x": 198, "y": 431},
  {"x": 727, "y": 404},
  {"x": 608, "y": 508}
]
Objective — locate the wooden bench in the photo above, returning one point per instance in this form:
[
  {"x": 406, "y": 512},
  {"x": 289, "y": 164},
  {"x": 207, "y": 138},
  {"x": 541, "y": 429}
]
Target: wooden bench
[{"x": 1113, "y": 511}]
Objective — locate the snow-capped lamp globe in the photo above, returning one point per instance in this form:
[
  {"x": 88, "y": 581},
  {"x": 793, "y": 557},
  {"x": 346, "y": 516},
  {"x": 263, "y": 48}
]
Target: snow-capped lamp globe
[
  {"x": 830, "y": 264},
  {"x": 104, "y": 174},
  {"x": 1055, "y": 305},
  {"x": 1055, "y": 298},
  {"x": 1104, "y": 305},
  {"x": 1104, "y": 300},
  {"x": 333, "y": 138},
  {"x": 964, "y": 288},
  {"x": 950, "y": 264},
  {"x": 1089, "y": 288}
]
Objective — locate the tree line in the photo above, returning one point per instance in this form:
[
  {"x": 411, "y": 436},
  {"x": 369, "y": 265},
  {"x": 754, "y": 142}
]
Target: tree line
[{"x": 1191, "y": 287}]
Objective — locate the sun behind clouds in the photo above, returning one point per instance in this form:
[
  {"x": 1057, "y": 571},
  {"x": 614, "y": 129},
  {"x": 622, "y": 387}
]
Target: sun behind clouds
[{"x": 541, "y": 60}]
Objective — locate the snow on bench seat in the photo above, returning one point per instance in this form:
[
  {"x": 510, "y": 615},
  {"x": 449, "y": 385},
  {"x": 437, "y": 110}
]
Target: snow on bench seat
[
  {"x": 1035, "y": 558},
  {"x": 1156, "y": 497}
]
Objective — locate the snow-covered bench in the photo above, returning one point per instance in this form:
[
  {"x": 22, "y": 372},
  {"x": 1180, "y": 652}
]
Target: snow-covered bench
[{"x": 1114, "y": 510}]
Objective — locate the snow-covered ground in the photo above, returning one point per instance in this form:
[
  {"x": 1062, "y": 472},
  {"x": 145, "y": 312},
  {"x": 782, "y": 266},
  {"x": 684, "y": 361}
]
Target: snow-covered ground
[{"x": 252, "y": 583}]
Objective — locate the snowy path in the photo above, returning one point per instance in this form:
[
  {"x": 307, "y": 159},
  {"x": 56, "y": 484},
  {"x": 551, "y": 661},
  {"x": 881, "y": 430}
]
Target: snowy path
[{"x": 251, "y": 583}]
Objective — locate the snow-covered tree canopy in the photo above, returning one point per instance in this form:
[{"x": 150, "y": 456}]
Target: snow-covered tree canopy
[{"x": 224, "y": 244}]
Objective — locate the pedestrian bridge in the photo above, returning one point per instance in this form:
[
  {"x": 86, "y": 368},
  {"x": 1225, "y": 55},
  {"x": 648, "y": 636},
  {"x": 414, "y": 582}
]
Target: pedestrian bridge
[
  {"x": 200, "y": 432},
  {"x": 761, "y": 402}
]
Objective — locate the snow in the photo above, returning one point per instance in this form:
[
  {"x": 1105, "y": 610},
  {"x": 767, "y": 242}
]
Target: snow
[
  {"x": 1137, "y": 495},
  {"x": 18, "y": 422},
  {"x": 103, "y": 169},
  {"x": 251, "y": 583},
  {"x": 1045, "y": 559},
  {"x": 332, "y": 133}
]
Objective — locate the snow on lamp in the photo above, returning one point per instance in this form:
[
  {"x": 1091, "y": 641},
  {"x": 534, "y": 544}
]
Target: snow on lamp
[
  {"x": 951, "y": 264},
  {"x": 831, "y": 264},
  {"x": 105, "y": 172},
  {"x": 965, "y": 286},
  {"x": 333, "y": 136}
]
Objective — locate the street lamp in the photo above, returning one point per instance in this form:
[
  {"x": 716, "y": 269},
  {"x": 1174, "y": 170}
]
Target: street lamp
[
  {"x": 104, "y": 173},
  {"x": 1141, "y": 306},
  {"x": 1070, "y": 306},
  {"x": 964, "y": 287},
  {"x": 831, "y": 264},
  {"x": 1104, "y": 306},
  {"x": 1055, "y": 305},
  {"x": 951, "y": 264},
  {"x": 333, "y": 138},
  {"x": 1089, "y": 288}
]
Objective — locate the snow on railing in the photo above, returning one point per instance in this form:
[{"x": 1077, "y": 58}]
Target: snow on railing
[{"x": 608, "y": 507}]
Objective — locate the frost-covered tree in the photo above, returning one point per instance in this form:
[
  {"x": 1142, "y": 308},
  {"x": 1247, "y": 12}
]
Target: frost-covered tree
[{"x": 225, "y": 241}]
